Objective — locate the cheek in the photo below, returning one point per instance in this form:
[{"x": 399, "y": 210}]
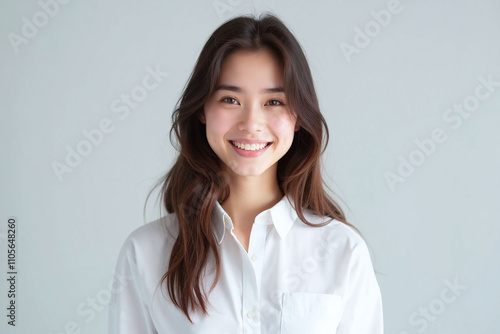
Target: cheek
[
  {"x": 217, "y": 124},
  {"x": 283, "y": 126}
]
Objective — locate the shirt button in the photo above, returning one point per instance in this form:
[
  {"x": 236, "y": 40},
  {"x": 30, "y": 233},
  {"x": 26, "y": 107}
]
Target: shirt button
[
  {"x": 251, "y": 314},
  {"x": 254, "y": 258}
]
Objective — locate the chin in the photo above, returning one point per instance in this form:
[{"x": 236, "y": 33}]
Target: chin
[{"x": 248, "y": 171}]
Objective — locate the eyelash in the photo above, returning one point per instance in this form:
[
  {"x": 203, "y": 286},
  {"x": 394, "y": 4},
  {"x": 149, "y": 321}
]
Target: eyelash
[{"x": 232, "y": 98}]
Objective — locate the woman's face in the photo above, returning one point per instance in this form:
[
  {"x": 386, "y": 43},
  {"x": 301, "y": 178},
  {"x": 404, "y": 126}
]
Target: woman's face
[{"x": 248, "y": 123}]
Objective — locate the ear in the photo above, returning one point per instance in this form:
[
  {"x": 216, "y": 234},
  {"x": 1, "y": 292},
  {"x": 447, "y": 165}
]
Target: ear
[
  {"x": 297, "y": 125},
  {"x": 201, "y": 117}
]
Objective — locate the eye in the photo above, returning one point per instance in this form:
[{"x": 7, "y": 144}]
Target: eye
[
  {"x": 274, "y": 103},
  {"x": 230, "y": 100}
]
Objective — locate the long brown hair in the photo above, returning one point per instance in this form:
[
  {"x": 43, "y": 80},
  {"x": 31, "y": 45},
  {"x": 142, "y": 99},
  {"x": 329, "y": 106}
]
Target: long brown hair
[{"x": 197, "y": 179}]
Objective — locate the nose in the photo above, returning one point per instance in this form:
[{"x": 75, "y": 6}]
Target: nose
[{"x": 252, "y": 118}]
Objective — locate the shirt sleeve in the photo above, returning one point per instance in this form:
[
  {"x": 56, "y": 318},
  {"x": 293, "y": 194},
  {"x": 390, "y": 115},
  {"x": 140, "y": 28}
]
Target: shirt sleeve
[
  {"x": 363, "y": 301},
  {"x": 128, "y": 313}
]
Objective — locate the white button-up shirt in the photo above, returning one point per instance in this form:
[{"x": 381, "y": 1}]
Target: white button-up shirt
[{"x": 293, "y": 279}]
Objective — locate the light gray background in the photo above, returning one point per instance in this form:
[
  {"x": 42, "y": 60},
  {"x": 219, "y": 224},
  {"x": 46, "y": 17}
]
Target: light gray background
[{"x": 438, "y": 227}]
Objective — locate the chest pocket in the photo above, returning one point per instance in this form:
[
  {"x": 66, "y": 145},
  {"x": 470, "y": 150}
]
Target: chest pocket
[{"x": 316, "y": 313}]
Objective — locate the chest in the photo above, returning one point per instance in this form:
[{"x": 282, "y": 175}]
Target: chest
[{"x": 273, "y": 286}]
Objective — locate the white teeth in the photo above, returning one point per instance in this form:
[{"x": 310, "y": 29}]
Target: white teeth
[{"x": 249, "y": 147}]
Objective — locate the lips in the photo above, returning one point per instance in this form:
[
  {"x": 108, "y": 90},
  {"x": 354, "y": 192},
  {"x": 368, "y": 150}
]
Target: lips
[{"x": 255, "y": 146}]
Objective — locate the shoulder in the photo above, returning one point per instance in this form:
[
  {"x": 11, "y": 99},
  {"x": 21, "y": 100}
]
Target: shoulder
[
  {"x": 156, "y": 229},
  {"x": 334, "y": 232},
  {"x": 151, "y": 238},
  {"x": 338, "y": 247},
  {"x": 346, "y": 247}
]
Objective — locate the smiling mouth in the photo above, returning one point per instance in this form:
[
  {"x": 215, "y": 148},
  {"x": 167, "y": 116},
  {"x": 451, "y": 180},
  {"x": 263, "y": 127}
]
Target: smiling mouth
[{"x": 250, "y": 147}]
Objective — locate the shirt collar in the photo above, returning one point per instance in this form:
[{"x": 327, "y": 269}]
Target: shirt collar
[{"x": 282, "y": 215}]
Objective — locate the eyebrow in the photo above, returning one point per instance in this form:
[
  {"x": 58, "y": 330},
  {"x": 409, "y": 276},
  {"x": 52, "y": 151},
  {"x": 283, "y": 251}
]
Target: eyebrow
[{"x": 239, "y": 90}]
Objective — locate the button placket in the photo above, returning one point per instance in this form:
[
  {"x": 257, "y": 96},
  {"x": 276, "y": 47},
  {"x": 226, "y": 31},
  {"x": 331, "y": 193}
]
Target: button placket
[
  {"x": 251, "y": 287},
  {"x": 256, "y": 249}
]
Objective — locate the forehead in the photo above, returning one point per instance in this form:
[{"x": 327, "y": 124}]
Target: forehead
[{"x": 252, "y": 67}]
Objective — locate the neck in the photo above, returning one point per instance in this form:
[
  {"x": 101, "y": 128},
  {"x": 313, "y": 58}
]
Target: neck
[{"x": 250, "y": 195}]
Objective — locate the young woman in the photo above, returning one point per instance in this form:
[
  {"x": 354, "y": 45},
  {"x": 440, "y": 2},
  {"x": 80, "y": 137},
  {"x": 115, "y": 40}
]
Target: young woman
[{"x": 251, "y": 243}]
